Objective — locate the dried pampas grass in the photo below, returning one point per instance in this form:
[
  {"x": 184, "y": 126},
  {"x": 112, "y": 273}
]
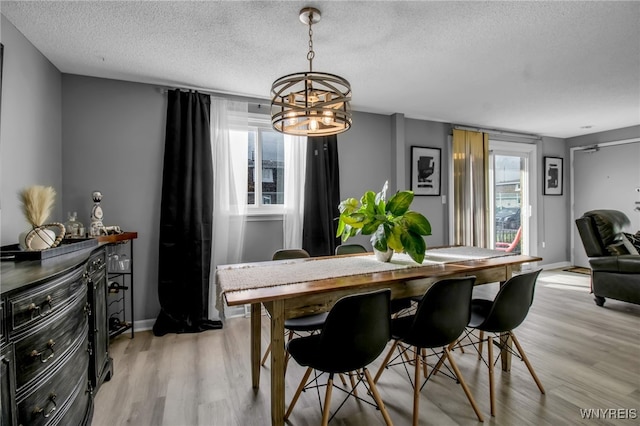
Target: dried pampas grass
[{"x": 37, "y": 203}]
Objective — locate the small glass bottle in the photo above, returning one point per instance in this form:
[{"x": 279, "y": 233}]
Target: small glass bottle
[{"x": 74, "y": 228}]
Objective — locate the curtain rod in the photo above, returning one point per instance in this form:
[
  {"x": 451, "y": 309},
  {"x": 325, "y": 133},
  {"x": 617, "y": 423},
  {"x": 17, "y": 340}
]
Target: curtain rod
[
  {"x": 228, "y": 95},
  {"x": 498, "y": 132}
]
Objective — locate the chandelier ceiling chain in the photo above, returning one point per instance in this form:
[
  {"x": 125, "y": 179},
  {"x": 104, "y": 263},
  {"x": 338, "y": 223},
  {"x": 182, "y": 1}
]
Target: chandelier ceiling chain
[
  {"x": 311, "y": 103},
  {"x": 311, "y": 53}
]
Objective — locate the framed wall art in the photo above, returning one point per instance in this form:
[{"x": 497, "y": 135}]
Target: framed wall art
[
  {"x": 426, "y": 170},
  {"x": 553, "y": 180}
]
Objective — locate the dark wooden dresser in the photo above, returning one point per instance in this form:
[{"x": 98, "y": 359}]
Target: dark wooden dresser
[{"x": 54, "y": 341}]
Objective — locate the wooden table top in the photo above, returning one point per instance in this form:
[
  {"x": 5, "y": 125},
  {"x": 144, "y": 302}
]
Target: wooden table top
[{"x": 279, "y": 292}]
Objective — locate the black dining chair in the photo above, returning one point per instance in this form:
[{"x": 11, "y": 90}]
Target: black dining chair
[
  {"x": 441, "y": 317},
  {"x": 501, "y": 316},
  {"x": 343, "y": 249},
  {"x": 307, "y": 323},
  {"x": 355, "y": 333}
]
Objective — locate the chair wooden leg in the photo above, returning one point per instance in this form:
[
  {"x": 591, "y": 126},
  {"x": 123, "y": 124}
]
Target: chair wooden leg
[
  {"x": 492, "y": 397},
  {"x": 467, "y": 392},
  {"x": 425, "y": 371},
  {"x": 298, "y": 392},
  {"x": 266, "y": 355},
  {"x": 481, "y": 338},
  {"x": 406, "y": 355},
  {"x": 416, "y": 388},
  {"x": 353, "y": 383},
  {"x": 268, "y": 351},
  {"x": 527, "y": 363},
  {"x": 287, "y": 356},
  {"x": 376, "y": 397},
  {"x": 386, "y": 361},
  {"x": 327, "y": 401},
  {"x": 441, "y": 360}
]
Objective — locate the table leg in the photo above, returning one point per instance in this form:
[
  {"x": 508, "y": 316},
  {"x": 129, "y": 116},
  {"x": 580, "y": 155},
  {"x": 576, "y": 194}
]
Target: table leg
[
  {"x": 277, "y": 363},
  {"x": 505, "y": 340},
  {"x": 256, "y": 319}
]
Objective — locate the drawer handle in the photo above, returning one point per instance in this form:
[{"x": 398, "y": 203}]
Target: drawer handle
[
  {"x": 34, "y": 309},
  {"x": 50, "y": 401},
  {"x": 36, "y": 354},
  {"x": 98, "y": 264}
]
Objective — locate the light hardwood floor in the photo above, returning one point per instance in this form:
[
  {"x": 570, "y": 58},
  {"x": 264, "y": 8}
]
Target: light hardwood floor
[{"x": 587, "y": 357}]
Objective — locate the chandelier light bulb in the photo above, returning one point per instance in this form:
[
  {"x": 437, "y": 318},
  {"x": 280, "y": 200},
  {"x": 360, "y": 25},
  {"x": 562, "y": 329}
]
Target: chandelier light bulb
[{"x": 327, "y": 118}]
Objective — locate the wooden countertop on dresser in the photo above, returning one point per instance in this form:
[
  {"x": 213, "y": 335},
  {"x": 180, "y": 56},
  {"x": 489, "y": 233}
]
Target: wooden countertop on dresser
[{"x": 21, "y": 274}]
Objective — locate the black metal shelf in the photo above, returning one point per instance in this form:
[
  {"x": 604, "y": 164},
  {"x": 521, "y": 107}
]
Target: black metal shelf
[
  {"x": 120, "y": 285},
  {"x": 121, "y": 329}
]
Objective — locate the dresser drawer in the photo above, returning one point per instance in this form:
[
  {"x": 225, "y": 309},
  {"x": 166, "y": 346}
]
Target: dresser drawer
[
  {"x": 97, "y": 262},
  {"x": 45, "y": 345},
  {"x": 3, "y": 336},
  {"x": 34, "y": 305},
  {"x": 57, "y": 391},
  {"x": 79, "y": 409}
]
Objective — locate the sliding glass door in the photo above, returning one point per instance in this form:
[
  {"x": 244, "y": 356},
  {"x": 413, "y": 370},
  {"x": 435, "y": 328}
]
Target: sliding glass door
[{"x": 512, "y": 192}]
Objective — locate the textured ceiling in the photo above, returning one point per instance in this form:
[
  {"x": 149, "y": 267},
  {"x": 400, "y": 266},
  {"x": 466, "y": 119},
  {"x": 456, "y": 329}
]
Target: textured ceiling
[{"x": 549, "y": 68}]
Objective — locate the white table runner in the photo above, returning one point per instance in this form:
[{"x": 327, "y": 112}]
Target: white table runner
[{"x": 269, "y": 274}]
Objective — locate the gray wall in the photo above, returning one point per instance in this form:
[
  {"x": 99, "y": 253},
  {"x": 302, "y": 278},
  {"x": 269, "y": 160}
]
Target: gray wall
[
  {"x": 433, "y": 135},
  {"x": 553, "y": 210},
  {"x": 113, "y": 135},
  {"x": 30, "y": 129},
  {"x": 632, "y": 132}
]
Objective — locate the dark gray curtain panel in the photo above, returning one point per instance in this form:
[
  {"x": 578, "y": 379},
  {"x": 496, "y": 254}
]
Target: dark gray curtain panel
[
  {"x": 321, "y": 196},
  {"x": 186, "y": 217}
]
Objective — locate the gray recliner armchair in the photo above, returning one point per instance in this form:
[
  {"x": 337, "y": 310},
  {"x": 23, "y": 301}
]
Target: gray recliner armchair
[{"x": 614, "y": 275}]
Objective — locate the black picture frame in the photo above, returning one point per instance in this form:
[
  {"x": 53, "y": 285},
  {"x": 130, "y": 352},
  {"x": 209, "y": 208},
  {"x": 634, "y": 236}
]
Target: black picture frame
[
  {"x": 553, "y": 179},
  {"x": 426, "y": 170}
]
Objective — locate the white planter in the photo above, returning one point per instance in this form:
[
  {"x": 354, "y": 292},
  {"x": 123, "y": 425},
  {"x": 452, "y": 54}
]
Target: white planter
[
  {"x": 383, "y": 256},
  {"x": 41, "y": 237},
  {"x": 42, "y": 240}
]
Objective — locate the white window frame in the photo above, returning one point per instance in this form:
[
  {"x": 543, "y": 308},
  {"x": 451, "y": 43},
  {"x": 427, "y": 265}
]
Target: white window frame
[
  {"x": 260, "y": 122},
  {"x": 528, "y": 202}
]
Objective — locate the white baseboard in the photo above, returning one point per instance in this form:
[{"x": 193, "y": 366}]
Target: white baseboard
[
  {"x": 558, "y": 265},
  {"x": 143, "y": 325}
]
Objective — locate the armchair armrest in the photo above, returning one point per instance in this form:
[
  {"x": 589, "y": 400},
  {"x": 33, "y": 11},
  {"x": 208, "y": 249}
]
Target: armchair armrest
[{"x": 625, "y": 264}]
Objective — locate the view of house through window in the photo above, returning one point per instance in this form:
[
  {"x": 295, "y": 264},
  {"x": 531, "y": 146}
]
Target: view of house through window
[
  {"x": 507, "y": 201},
  {"x": 265, "y": 184}
]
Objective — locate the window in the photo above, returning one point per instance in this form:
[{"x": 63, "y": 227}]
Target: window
[{"x": 266, "y": 168}]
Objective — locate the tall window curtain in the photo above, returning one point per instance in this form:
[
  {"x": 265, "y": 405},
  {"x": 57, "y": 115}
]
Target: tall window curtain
[
  {"x": 322, "y": 196},
  {"x": 185, "y": 217},
  {"x": 295, "y": 152},
  {"x": 229, "y": 145},
  {"x": 470, "y": 188}
]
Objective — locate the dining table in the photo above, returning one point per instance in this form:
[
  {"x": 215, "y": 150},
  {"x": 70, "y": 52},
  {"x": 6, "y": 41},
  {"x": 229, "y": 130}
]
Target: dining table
[{"x": 298, "y": 287}]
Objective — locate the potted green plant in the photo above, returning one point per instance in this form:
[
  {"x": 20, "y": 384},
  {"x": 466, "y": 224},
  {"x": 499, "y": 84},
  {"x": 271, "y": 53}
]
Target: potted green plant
[{"x": 392, "y": 226}]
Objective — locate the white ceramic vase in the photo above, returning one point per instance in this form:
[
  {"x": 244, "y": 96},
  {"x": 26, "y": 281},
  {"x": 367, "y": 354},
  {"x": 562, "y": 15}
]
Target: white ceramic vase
[
  {"x": 383, "y": 256},
  {"x": 42, "y": 237},
  {"x": 42, "y": 240}
]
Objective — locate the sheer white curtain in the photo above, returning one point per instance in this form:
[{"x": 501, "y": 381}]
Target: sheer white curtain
[
  {"x": 295, "y": 158},
  {"x": 229, "y": 146}
]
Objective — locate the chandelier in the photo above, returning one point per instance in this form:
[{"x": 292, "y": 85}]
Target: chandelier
[{"x": 311, "y": 103}]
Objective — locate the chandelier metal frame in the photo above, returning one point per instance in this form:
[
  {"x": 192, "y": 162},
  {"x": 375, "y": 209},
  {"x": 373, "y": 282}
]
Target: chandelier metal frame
[{"x": 311, "y": 103}]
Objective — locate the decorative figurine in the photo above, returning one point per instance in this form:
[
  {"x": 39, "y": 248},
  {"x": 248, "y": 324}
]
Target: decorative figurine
[{"x": 96, "y": 215}]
